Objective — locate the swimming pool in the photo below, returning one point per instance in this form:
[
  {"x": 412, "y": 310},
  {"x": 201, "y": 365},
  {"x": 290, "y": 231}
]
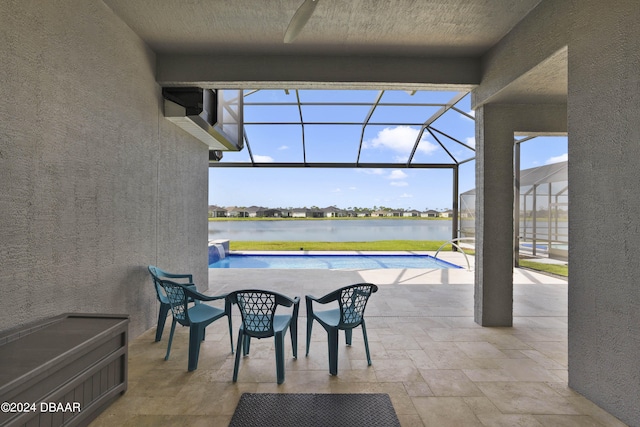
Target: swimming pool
[{"x": 358, "y": 261}]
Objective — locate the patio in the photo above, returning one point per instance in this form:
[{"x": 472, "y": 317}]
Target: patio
[{"x": 438, "y": 366}]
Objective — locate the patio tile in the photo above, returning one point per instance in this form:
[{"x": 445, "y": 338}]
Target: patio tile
[
  {"x": 481, "y": 405},
  {"x": 420, "y": 359},
  {"x": 418, "y": 388},
  {"x": 568, "y": 420},
  {"x": 413, "y": 420},
  {"x": 480, "y": 350},
  {"x": 450, "y": 382},
  {"x": 526, "y": 398},
  {"x": 488, "y": 375},
  {"x": 445, "y": 411},
  {"x": 401, "y": 373},
  {"x": 437, "y": 365},
  {"x": 526, "y": 370},
  {"x": 510, "y": 420}
]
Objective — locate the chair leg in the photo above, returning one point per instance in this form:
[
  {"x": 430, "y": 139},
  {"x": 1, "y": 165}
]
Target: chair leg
[
  {"x": 247, "y": 344},
  {"x": 279, "y": 338},
  {"x": 309, "y": 326},
  {"x": 348, "y": 333},
  {"x": 309, "y": 304},
  {"x": 230, "y": 333},
  {"x": 173, "y": 328},
  {"x": 293, "y": 330},
  {"x": 196, "y": 335},
  {"x": 366, "y": 342},
  {"x": 332, "y": 342},
  {"x": 238, "y": 351},
  {"x": 162, "y": 318}
]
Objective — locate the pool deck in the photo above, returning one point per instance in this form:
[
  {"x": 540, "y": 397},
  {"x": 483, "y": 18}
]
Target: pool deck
[{"x": 438, "y": 366}]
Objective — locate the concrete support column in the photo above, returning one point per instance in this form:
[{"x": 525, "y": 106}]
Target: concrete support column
[
  {"x": 494, "y": 218},
  {"x": 496, "y": 125}
]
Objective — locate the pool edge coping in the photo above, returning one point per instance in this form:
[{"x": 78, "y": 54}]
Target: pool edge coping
[{"x": 454, "y": 265}]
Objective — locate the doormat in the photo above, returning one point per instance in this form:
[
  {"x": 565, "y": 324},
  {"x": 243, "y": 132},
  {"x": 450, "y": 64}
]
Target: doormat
[{"x": 314, "y": 410}]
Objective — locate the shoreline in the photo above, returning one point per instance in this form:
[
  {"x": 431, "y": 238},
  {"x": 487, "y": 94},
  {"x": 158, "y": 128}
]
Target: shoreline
[{"x": 350, "y": 218}]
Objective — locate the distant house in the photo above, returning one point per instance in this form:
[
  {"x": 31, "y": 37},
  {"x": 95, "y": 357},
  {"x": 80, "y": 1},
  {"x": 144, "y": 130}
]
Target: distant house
[
  {"x": 332, "y": 211},
  {"x": 411, "y": 213},
  {"x": 363, "y": 214},
  {"x": 446, "y": 214},
  {"x": 395, "y": 213},
  {"x": 272, "y": 213},
  {"x": 256, "y": 211},
  {"x": 315, "y": 213},
  {"x": 236, "y": 212},
  {"x": 429, "y": 214},
  {"x": 217, "y": 212},
  {"x": 299, "y": 213}
]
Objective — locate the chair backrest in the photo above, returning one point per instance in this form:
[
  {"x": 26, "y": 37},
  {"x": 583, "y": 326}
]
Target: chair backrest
[
  {"x": 257, "y": 309},
  {"x": 156, "y": 273},
  {"x": 178, "y": 299},
  {"x": 353, "y": 300}
]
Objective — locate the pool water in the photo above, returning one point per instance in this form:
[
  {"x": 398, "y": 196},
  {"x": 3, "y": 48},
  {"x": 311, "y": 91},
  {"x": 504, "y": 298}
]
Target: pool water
[{"x": 331, "y": 261}]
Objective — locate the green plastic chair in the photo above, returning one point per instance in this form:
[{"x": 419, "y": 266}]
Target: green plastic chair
[
  {"x": 156, "y": 275},
  {"x": 352, "y": 301},
  {"x": 259, "y": 320},
  {"x": 196, "y": 317}
]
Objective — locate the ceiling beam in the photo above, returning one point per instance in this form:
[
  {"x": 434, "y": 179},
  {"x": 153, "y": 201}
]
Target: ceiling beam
[
  {"x": 540, "y": 35},
  {"x": 317, "y": 71}
]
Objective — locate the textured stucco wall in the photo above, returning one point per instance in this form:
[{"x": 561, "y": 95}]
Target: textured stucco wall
[
  {"x": 604, "y": 216},
  {"x": 95, "y": 183}
]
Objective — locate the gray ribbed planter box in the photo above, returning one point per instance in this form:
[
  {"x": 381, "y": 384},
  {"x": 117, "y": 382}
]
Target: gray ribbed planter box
[{"x": 62, "y": 371}]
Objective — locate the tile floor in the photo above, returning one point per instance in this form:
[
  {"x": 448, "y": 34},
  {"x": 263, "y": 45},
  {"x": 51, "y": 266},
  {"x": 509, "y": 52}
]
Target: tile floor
[{"x": 438, "y": 366}]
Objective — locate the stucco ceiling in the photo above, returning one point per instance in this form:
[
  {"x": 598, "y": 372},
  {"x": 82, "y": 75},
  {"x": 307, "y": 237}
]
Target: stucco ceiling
[
  {"x": 350, "y": 28},
  {"x": 347, "y": 27}
]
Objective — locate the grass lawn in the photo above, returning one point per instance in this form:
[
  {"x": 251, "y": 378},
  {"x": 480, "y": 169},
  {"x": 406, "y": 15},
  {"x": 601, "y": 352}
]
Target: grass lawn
[{"x": 559, "y": 269}]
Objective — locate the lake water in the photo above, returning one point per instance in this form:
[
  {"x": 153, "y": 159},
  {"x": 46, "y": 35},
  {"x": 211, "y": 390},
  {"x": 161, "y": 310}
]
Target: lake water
[{"x": 363, "y": 230}]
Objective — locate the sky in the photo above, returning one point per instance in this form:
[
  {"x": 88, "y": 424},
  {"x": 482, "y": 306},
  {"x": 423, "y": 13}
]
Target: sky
[{"x": 390, "y": 141}]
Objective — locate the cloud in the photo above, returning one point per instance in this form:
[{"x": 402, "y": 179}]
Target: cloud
[
  {"x": 353, "y": 188},
  {"x": 471, "y": 113},
  {"x": 371, "y": 171},
  {"x": 337, "y": 190},
  {"x": 283, "y": 147},
  {"x": 397, "y": 174},
  {"x": 400, "y": 139},
  {"x": 406, "y": 196},
  {"x": 470, "y": 141},
  {"x": 401, "y": 159},
  {"x": 557, "y": 159},
  {"x": 262, "y": 159}
]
